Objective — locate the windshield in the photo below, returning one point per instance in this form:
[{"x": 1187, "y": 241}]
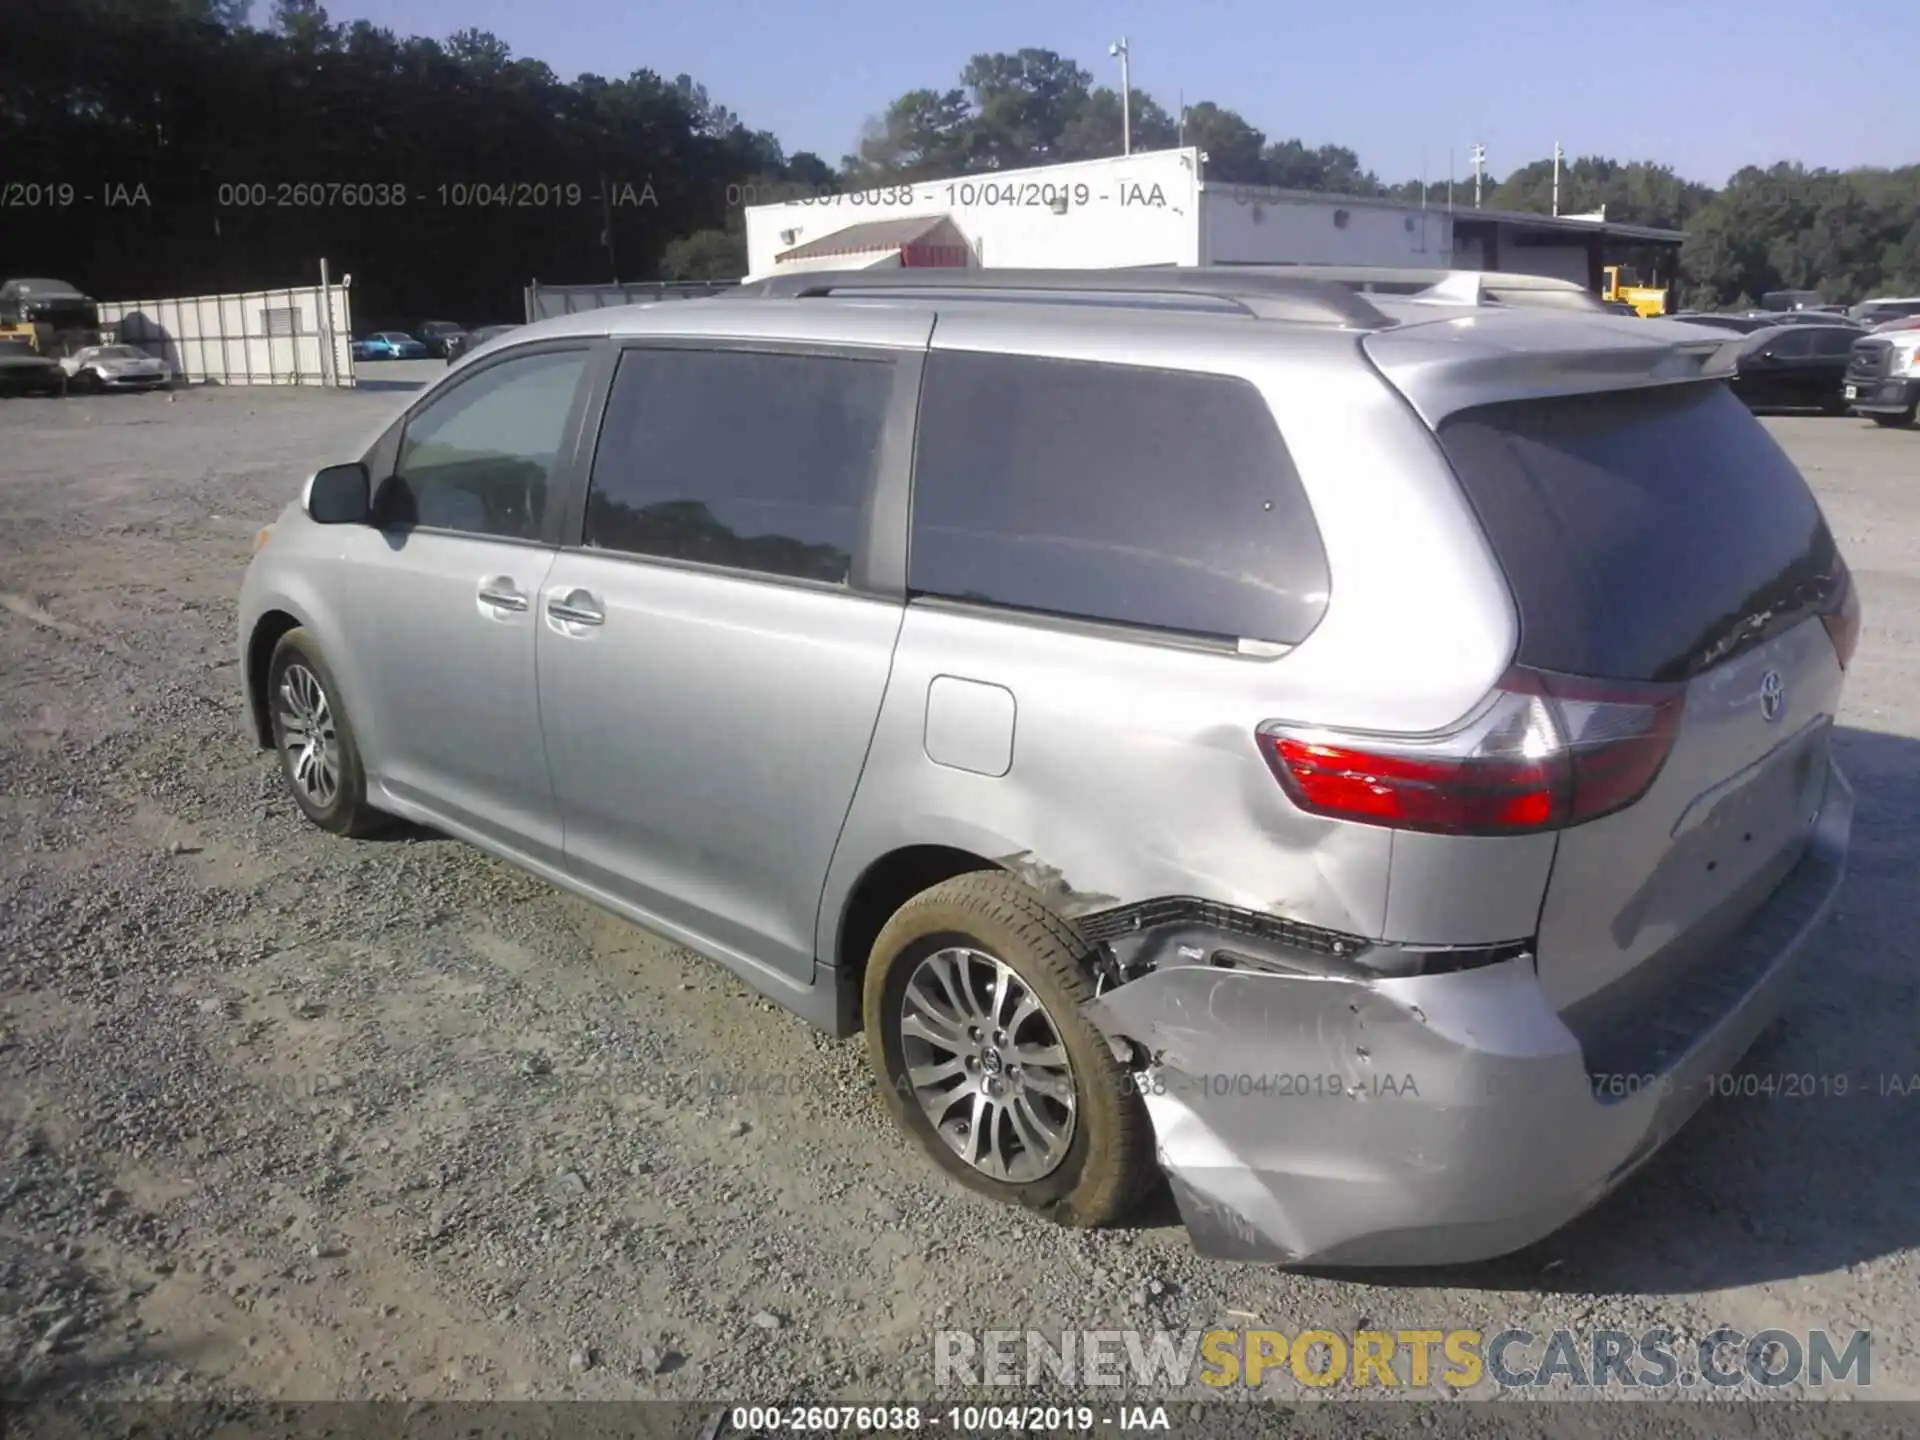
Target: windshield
[
  {"x": 61, "y": 309},
  {"x": 119, "y": 352}
]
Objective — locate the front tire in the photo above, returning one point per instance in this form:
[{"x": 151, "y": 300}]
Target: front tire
[
  {"x": 974, "y": 1029},
  {"x": 311, "y": 735},
  {"x": 1894, "y": 422}
]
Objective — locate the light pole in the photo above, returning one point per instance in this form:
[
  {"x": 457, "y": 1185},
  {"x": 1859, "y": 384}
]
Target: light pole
[
  {"x": 1479, "y": 165},
  {"x": 1126, "y": 96}
]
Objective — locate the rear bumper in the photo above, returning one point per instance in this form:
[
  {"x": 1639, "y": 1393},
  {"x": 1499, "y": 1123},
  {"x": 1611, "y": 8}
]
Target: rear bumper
[
  {"x": 1433, "y": 1120},
  {"x": 1882, "y": 395}
]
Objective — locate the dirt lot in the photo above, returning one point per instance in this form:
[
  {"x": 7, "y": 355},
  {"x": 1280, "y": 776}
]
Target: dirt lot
[{"x": 288, "y": 1116}]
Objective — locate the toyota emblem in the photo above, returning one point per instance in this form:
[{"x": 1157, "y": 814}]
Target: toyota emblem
[{"x": 1773, "y": 696}]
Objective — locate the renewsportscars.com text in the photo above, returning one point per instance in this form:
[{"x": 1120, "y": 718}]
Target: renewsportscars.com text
[{"x": 1513, "y": 1359}]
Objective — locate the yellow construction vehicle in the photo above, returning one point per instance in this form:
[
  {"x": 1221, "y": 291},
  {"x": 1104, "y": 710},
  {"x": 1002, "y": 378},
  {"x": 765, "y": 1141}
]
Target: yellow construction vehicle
[
  {"x": 50, "y": 315},
  {"x": 1622, "y": 286}
]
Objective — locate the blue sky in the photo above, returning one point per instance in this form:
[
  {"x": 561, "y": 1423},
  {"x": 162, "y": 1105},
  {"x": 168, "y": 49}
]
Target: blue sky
[{"x": 1725, "y": 83}]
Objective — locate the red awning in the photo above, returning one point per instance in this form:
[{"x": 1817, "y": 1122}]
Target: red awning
[{"x": 924, "y": 240}]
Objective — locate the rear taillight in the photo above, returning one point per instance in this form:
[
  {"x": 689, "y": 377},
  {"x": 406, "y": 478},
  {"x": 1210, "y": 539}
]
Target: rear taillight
[
  {"x": 1842, "y": 618},
  {"x": 1543, "y": 752}
]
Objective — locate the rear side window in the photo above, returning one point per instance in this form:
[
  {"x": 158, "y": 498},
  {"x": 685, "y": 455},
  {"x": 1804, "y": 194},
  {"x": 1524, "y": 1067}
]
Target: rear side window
[
  {"x": 1834, "y": 342},
  {"x": 746, "y": 459},
  {"x": 1646, "y": 534},
  {"x": 1114, "y": 493}
]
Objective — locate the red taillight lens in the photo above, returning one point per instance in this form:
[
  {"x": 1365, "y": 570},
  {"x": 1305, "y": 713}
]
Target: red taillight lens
[
  {"x": 1618, "y": 737},
  {"x": 1449, "y": 796},
  {"x": 1843, "y": 619},
  {"x": 1544, "y": 752}
]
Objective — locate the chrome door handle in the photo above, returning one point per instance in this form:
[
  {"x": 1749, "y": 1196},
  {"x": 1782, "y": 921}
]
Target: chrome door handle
[
  {"x": 501, "y": 593},
  {"x": 578, "y": 607}
]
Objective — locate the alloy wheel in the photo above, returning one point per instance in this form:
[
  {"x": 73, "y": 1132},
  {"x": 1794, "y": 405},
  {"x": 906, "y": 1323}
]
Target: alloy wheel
[
  {"x": 308, "y": 736},
  {"x": 987, "y": 1065}
]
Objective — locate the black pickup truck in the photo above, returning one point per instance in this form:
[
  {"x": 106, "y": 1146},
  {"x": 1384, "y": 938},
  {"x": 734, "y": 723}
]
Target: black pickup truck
[{"x": 25, "y": 371}]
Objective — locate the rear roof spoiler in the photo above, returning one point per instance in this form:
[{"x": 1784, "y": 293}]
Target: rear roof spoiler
[{"x": 1515, "y": 355}]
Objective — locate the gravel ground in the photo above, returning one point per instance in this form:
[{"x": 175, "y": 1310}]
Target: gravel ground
[{"x": 292, "y": 1117}]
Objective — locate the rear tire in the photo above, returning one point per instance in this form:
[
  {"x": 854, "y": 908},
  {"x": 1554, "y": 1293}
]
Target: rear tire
[
  {"x": 1083, "y": 1163},
  {"x": 312, "y": 737}
]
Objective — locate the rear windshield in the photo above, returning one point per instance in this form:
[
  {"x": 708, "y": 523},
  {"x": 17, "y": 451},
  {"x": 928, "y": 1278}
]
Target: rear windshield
[{"x": 1647, "y": 534}]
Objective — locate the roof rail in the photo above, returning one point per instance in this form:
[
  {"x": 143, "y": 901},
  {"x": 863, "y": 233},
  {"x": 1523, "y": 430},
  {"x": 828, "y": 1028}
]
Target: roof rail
[{"x": 1263, "y": 295}]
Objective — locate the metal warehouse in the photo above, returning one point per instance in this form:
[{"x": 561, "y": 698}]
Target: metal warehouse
[{"x": 1156, "y": 208}]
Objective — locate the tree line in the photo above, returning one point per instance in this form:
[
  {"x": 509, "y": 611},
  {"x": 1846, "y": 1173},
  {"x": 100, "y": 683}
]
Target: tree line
[{"x": 166, "y": 147}]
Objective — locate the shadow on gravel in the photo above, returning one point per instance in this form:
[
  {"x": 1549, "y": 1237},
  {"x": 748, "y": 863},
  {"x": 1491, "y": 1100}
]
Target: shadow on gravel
[
  {"x": 93, "y": 1371},
  {"x": 1810, "y": 1166},
  {"x": 411, "y": 831}
]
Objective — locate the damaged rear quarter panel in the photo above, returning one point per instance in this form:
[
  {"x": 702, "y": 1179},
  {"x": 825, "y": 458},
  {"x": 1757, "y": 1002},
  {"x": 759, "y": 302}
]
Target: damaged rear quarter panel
[{"x": 1135, "y": 774}]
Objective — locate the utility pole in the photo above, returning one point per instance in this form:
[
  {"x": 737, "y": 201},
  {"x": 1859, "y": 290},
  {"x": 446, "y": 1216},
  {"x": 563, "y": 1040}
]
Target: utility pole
[
  {"x": 1181, "y": 142},
  {"x": 1449, "y": 180},
  {"x": 1126, "y": 96},
  {"x": 606, "y": 230},
  {"x": 1479, "y": 164},
  {"x": 1557, "y": 154}
]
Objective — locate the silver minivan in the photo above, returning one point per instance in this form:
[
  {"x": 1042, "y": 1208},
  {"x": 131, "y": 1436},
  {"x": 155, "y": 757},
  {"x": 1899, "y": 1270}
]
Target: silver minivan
[{"x": 1364, "y": 757}]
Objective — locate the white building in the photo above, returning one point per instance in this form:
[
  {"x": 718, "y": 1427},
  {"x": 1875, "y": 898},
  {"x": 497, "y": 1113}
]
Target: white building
[{"x": 1156, "y": 209}]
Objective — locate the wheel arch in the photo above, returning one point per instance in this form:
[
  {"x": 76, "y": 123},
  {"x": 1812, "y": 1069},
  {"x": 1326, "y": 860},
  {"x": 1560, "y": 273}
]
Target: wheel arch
[
  {"x": 266, "y": 633},
  {"x": 886, "y": 884}
]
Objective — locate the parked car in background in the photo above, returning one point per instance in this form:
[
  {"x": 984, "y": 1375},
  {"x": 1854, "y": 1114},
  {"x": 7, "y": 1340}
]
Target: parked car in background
[
  {"x": 1883, "y": 375},
  {"x": 474, "y": 339},
  {"x": 1786, "y": 301},
  {"x": 438, "y": 335},
  {"x": 721, "y": 615},
  {"x": 1796, "y": 367},
  {"x": 116, "y": 367},
  {"x": 389, "y": 345},
  {"x": 1741, "y": 324},
  {"x": 1803, "y": 317},
  {"x": 25, "y": 371},
  {"x": 1892, "y": 307}
]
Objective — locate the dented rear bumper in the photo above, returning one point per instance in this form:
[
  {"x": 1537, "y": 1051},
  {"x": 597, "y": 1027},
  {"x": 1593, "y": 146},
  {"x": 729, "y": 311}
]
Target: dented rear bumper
[{"x": 1430, "y": 1119}]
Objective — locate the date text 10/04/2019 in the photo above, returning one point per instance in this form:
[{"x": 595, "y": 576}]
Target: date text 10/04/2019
[
  {"x": 954, "y": 1419},
  {"x": 988, "y": 195}
]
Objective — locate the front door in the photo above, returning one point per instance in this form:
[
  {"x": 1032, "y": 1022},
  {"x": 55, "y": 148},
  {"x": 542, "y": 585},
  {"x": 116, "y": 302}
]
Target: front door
[
  {"x": 442, "y": 602},
  {"x": 712, "y": 658}
]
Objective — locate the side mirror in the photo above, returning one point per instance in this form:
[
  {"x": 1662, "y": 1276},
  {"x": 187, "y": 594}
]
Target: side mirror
[{"x": 339, "y": 495}]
